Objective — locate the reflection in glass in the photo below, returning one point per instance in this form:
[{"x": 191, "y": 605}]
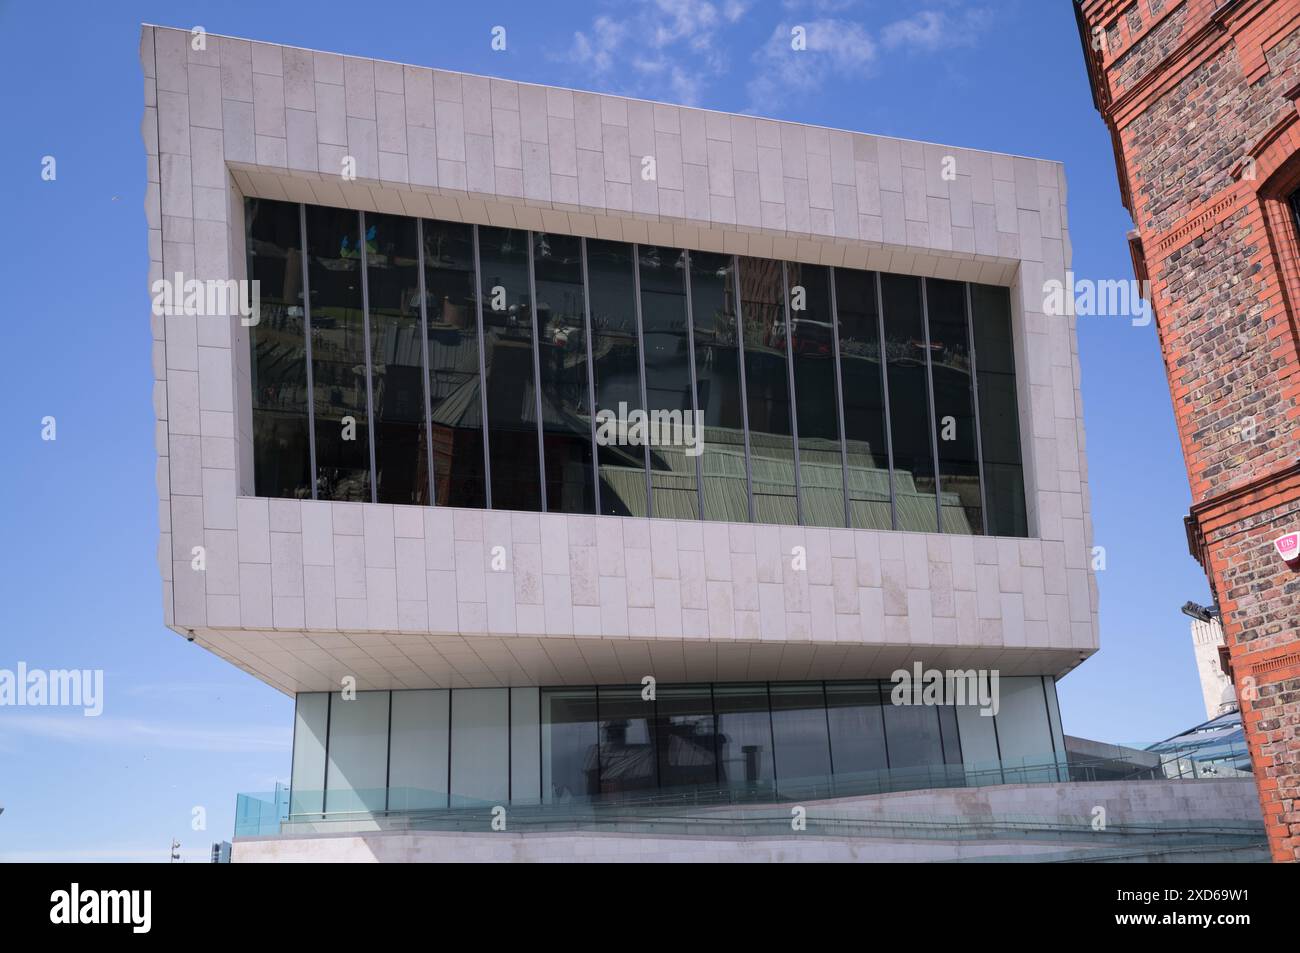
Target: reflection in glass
[
  {"x": 396, "y": 360},
  {"x": 685, "y": 736},
  {"x": 562, "y": 357},
  {"x": 799, "y": 734},
  {"x": 570, "y": 754},
  {"x": 812, "y": 341},
  {"x": 913, "y": 734},
  {"x": 356, "y": 772},
  {"x": 338, "y": 354},
  {"x": 744, "y": 737},
  {"x": 508, "y": 358},
  {"x": 668, "y": 381},
  {"x": 864, "y": 399},
  {"x": 948, "y": 734},
  {"x": 767, "y": 391},
  {"x": 857, "y": 726},
  {"x": 627, "y": 745},
  {"x": 456, "y": 403},
  {"x": 277, "y": 345},
  {"x": 616, "y": 374},
  {"x": 717, "y": 371},
  {"x": 909, "y": 404},
  {"x": 954, "y": 407},
  {"x": 995, "y": 369}
]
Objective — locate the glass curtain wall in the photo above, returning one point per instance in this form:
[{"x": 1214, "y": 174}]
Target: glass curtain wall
[
  {"x": 767, "y": 391},
  {"x": 862, "y": 377},
  {"x": 751, "y": 738},
  {"x": 508, "y": 361},
  {"x": 397, "y": 360},
  {"x": 909, "y": 404},
  {"x": 562, "y": 358},
  {"x": 455, "y": 395},
  {"x": 995, "y": 373},
  {"x": 340, "y": 400},
  {"x": 717, "y": 387},
  {"x": 534, "y": 371},
  {"x": 278, "y": 346},
  {"x": 616, "y": 372},
  {"x": 961, "y": 509},
  {"x": 674, "y": 491},
  {"x": 816, "y": 396}
]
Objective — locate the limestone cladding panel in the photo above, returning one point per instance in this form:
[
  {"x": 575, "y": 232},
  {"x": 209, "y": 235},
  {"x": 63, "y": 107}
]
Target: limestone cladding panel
[{"x": 244, "y": 118}]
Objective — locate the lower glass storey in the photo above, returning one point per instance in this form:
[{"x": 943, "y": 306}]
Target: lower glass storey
[{"x": 421, "y": 750}]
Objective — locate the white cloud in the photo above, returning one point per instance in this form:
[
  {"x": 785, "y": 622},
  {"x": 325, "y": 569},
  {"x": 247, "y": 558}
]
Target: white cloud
[
  {"x": 133, "y": 732},
  {"x": 666, "y": 50},
  {"x": 844, "y": 49},
  {"x": 834, "y": 48},
  {"x": 931, "y": 30}
]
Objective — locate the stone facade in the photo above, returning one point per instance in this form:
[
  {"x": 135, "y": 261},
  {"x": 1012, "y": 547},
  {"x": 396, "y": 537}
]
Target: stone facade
[
  {"x": 299, "y": 593},
  {"x": 1201, "y": 98}
]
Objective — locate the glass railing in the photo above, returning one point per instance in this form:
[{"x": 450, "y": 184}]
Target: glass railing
[{"x": 713, "y": 805}]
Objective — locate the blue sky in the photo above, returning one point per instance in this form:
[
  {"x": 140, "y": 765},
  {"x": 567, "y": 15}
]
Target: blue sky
[{"x": 80, "y": 584}]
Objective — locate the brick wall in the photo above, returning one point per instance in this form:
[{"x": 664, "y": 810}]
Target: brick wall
[{"x": 1201, "y": 99}]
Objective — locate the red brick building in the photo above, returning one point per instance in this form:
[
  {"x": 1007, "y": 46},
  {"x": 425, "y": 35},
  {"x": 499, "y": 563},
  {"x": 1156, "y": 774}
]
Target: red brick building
[{"x": 1202, "y": 98}]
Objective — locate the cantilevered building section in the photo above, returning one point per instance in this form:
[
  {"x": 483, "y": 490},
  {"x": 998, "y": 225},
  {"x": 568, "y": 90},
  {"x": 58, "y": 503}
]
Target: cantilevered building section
[{"x": 416, "y": 472}]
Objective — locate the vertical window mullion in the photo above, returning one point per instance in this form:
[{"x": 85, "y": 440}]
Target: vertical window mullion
[
  {"x": 794, "y": 407},
  {"x": 424, "y": 358},
  {"x": 975, "y": 402},
  {"x": 365, "y": 333},
  {"x": 744, "y": 393},
  {"x": 306, "y": 320},
  {"x": 482, "y": 378},
  {"x": 537, "y": 368},
  {"x": 929, "y": 389},
  {"x": 839, "y": 407},
  {"x": 640, "y": 363},
  {"x": 591, "y": 375},
  {"x": 889, "y": 418},
  {"x": 695, "y": 384}
]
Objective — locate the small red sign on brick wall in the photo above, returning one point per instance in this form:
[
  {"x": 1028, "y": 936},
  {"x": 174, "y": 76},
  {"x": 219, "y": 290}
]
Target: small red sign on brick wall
[{"x": 1288, "y": 546}]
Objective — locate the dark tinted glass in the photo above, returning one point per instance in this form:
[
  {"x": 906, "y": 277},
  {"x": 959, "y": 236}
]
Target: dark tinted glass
[
  {"x": 627, "y": 742},
  {"x": 909, "y": 403},
  {"x": 864, "y": 399},
  {"x": 685, "y": 736},
  {"x": 812, "y": 341},
  {"x": 617, "y": 376},
  {"x": 508, "y": 356},
  {"x": 954, "y": 407},
  {"x": 668, "y": 382},
  {"x": 949, "y": 735},
  {"x": 717, "y": 371},
  {"x": 338, "y": 354},
  {"x": 857, "y": 722},
  {"x": 913, "y": 735},
  {"x": 397, "y": 360},
  {"x": 995, "y": 367},
  {"x": 744, "y": 737},
  {"x": 799, "y": 732},
  {"x": 562, "y": 355},
  {"x": 457, "y": 408},
  {"x": 767, "y": 391},
  {"x": 570, "y": 745},
  {"x": 278, "y": 348}
]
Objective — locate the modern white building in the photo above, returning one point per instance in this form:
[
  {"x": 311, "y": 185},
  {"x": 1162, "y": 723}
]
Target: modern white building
[{"x": 399, "y": 475}]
